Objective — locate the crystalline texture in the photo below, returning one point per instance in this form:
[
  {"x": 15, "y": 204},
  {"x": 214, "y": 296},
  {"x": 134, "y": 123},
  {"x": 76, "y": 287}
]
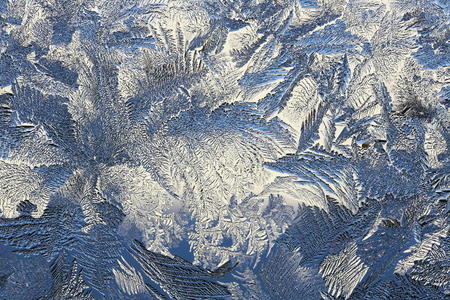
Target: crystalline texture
[{"x": 224, "y": 149}]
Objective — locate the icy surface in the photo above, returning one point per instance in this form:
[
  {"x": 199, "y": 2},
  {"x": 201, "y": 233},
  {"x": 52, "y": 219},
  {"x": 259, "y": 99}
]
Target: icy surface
[{"x": 224, "y": 149}]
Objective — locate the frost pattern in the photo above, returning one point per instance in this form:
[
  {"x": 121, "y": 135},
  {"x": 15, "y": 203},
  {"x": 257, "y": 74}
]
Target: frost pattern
[{"x": 212, "y": 149}]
